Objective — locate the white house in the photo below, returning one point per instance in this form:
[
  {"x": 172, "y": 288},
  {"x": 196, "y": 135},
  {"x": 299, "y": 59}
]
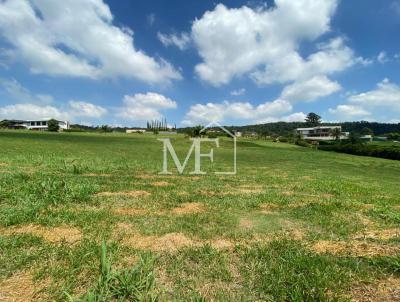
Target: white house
[
  {"x": 38, "y": 125},
  {"x": 320, "y": 133},
  {"x": 135, "y": 130}
]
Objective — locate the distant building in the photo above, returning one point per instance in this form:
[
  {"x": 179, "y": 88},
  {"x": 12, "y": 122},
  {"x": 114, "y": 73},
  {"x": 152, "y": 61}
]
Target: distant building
[
  {"x": 135, "y": 130},
  {"x": 367, "y": 137},
  {"x": 37, "y": 125},
  {"x": 320, "y": 133},
  {"x": 238, "y": 133}
]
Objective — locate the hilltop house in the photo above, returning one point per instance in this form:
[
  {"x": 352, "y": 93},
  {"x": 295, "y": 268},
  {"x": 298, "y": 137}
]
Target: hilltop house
[
  {"x": 38, "y": 125},
  {"x": 135, "y": 130},
  {"x": 320, "y": 133}
]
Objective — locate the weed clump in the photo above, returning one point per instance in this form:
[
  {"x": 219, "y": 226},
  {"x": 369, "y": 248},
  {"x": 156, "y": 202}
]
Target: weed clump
[{"x": 136, "y": 284}]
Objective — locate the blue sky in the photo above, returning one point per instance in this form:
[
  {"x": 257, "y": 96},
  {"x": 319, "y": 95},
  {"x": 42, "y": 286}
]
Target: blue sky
[{"x": 237, "y": 62}]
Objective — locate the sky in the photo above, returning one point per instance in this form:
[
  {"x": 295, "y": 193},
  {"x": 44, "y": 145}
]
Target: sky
[{"x": 124, "y": 62}]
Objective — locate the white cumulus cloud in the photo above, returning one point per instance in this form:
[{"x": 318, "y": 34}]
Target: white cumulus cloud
[
  {"x": 84, "y": 109},
  {"x": 181, "y": 41},
  {"x": 310, "y": 90},
  {"x": 381, "y": 103},
  {"x": 77, "y": 38},
  {"x": 142, "y": 107},
  {"x": 238, "y": 41},
  {"x": 386, "y": 95},
  {"x": 19, "y": 93},
  {"x": 32, "y": 111},
  {"x": 238, "y": 92},
  {"x": 349, "y": 112},
  {"x": 382, "y": 57},
  {"x": 238, "y": 111}
]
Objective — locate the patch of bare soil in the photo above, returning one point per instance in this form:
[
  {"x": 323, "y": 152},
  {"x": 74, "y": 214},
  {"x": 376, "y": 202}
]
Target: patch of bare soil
[
  {"x": 21, "y": 288},
  {"x": 386, "y": 290},
  {"x": 161, "y": 184},
  {"x": 54, "y": 235},
  {"x": 189, "y": 208},
  {"x": 354, "y": 248},
  {"x": 133, "y": 193},
  {"x": 3, "y": 164}
]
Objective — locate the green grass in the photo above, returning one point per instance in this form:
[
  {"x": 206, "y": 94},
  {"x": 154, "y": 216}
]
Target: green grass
[{"x": 253, "y": 238}]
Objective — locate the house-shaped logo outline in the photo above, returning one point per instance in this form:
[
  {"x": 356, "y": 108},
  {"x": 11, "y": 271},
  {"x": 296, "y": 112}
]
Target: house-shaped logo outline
[{"x": 214, "y": 124}]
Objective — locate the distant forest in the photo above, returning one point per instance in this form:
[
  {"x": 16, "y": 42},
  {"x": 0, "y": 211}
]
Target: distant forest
[
  {"x": 281, "y": 128},
  {"x": 285, "y": 128}
]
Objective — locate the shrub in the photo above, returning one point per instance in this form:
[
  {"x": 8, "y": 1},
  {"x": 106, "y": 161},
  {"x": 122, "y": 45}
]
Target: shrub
[
  {"x": 302, "y": 143},
  {"x": 283, "y": 140},
  {"x": 74, "y": 130},
  {"x": 387, "y": 152}
]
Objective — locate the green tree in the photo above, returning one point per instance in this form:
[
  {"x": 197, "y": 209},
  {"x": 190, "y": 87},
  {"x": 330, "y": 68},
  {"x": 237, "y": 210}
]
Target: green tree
[
  {"x": 52, "y": 125},
  {"x": 354, "y": 138},
  {"x": 105, "y": 128},
  {"x": 313, "y": 119},
  {"x": 367, "y": 131},
  {"x": 4, "y": 124},
  {"x": 196, "y": 131},
  {"x": 336, "y": 133}
]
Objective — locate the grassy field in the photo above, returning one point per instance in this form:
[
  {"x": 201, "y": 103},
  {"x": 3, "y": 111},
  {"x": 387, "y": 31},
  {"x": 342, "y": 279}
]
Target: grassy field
[{"x": 86, "y": 217}]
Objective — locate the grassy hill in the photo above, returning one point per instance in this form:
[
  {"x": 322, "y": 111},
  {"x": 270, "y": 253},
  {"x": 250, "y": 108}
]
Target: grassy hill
[{"x": 294, "y": 224}]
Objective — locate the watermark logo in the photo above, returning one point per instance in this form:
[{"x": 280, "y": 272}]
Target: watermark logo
[{"x": 196, "y": 147}]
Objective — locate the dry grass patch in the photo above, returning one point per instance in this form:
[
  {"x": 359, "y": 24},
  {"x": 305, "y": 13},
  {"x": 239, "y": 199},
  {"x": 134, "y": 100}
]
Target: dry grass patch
[
  {"x": 242, "y": 190},
  {"x": 214, "y": 193},
  {"x": 145, "y": 176},
  {"x": 133, "y": 193},
  {"x": 354, "y": 248},
  {"x": 170, "y": 242},
  {"x": 288, "y": 193},
  {"x": 161, "y": 184},
  {"x": 221, "y": 244},
  {"x": 130, "y": 211},
  {"x": 3, "y": 164},
  {"x": 96, "y": 175},
  {"x": 189, "y": 208},
  {"x": 267, "y": 208},
  {"x": 385, "y": 234},
  {"x": 245, "y": 223},
  {"x": 386, "y": 290},
  {"x": 51, "y": 234},
  {"x": 21, "y": 288}
]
